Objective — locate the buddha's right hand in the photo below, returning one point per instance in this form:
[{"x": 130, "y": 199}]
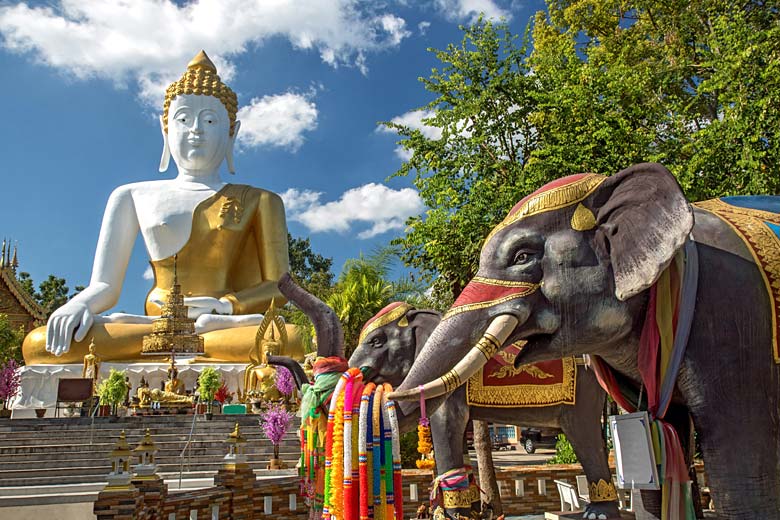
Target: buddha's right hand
[{"x": 71, "y": 317}]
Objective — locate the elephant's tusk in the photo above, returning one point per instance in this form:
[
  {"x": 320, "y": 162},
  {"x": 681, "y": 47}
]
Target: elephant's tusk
[{"x": 491, "y": 342}]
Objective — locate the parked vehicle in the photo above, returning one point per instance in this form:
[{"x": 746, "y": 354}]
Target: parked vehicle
[
  {"x": 533, "y": 438},
  {"x": 501, "y": 442}
]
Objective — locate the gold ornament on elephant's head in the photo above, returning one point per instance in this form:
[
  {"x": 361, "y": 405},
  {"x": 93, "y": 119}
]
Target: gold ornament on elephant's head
[
  {"x": 557, "y": 194},
  {"x": 201, "y": 79}
]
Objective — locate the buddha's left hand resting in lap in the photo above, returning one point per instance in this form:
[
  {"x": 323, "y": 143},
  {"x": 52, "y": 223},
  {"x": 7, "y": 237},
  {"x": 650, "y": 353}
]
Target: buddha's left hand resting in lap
[{"x": 230, "y": 241}]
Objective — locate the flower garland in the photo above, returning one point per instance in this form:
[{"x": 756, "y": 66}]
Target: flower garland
[
  {"x": 353, "y": 386},
  {"x": 378, "y": 484},
  {"x": 424, "y": 439},
  {"x": 366, "y": 496},
  {"x": 336, "y": 501},
  {"x": 387, "y": 453},
  {"x": 396, "y": 447},
  {"x": 329, "y": 447},
  {"x": 327, "y": 373},
  {"x": 366, "y": 455}
]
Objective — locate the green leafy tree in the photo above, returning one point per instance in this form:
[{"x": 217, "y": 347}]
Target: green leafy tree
[
  {"x": 693, "y": 85},
  {"x": 52, "y": 293},
  {"x": 10, "y": 341},
  {"x": 470, "y": 176},
  {"x": 26, "y": 282},
  {"x": 311, "y": 271}
]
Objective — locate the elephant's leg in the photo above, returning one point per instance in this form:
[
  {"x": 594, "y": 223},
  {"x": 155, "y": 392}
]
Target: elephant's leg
[
  {"x": 582, "y": 426},
  {"x": 448, "y": 425}
]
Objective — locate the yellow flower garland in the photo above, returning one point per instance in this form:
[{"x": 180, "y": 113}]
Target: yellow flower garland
[{"x": 424, "y": 447}]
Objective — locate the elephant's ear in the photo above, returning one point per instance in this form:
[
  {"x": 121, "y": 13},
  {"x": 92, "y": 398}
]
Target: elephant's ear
[
  {"x": 642, "y": 219},
  {"x": 423, "y": 321}
]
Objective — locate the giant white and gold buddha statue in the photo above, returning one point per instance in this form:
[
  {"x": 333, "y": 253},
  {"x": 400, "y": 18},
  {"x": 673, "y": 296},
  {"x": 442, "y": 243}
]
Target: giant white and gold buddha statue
[{"x": 230, "y": 240}]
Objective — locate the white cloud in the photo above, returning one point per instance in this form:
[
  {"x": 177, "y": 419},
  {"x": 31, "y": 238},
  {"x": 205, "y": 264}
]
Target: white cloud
[
  {"x": 414, "y": 120},
  {"x": 277, "y": 120},
  {"x": 150, "y": 41},
  {"x": 423, "y": 27},
  {"x": 383, "y": 208},
  {"x": 469, "y": 10},
  {"x": 149, "y": 273}
]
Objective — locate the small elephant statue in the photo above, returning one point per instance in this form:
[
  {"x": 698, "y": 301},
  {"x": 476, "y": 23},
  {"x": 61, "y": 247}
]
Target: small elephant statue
[
  {"x": 391, "y": 341},
  {"x": 575, "y": 268}
]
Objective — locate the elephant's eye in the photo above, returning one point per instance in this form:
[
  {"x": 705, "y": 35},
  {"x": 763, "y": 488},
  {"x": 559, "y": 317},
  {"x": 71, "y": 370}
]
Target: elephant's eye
[
  {"x": 521, "y": 257},
  {"x": 376, "y": 342}
]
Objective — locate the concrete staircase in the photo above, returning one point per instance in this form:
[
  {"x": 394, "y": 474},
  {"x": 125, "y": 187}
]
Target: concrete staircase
[{"x": 62, "y": 451}]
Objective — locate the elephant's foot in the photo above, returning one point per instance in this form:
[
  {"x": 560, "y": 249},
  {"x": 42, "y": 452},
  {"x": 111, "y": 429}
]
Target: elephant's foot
[{"x": 602, "y": 511}]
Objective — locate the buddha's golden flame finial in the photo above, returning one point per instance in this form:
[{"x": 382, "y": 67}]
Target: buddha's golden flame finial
[{"x": 202, "y": 61}]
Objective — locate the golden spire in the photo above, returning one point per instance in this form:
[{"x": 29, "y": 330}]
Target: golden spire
[
  {"x": 202, "y": 61},
  {"x": 173, "y": 331},
  {"x": 2, "y": 257},
  {"x": 15, "y": 260},
  {"x": 121, "y": 448}
]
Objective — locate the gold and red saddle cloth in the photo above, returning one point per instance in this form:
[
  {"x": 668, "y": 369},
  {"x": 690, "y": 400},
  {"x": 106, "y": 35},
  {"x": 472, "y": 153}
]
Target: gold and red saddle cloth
[
  {"x": 500, "y": 384},
  {"x": 756, "y": 220}
]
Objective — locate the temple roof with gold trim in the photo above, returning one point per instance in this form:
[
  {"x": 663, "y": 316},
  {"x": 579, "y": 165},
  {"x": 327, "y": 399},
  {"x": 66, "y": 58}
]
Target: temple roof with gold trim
[{"x": 8, "y": 266}]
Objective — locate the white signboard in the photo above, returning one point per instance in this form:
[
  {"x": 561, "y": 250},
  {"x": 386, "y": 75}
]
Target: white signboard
[{"x": 634, "y": 455}]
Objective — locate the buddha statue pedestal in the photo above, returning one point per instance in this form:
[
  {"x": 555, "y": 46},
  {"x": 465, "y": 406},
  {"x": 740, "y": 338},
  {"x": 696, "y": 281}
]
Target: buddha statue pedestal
[{"x": 39, "y": 382}]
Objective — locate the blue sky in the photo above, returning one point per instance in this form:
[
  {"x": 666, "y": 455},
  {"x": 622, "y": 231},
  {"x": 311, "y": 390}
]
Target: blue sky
[{"x": 82, "y": 84}]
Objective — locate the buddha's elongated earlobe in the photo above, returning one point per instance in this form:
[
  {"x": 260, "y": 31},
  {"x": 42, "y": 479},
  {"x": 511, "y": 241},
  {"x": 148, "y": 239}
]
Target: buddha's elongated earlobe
[
  {"x": 229, "y": 153},
  {"x": 166, "y": 153}
]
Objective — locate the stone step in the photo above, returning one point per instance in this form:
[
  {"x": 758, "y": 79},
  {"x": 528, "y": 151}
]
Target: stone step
[
  {"x": 44, "y": 479},
  {"x": 140, "y": 422},
  {"x": 65, "y": 451},
  {"x": 61, "y": 460}
]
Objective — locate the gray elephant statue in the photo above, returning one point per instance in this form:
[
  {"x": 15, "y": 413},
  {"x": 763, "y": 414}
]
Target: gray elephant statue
[
  {"x": 389, "y": 344},
  {"x": 574, "y": 269}
]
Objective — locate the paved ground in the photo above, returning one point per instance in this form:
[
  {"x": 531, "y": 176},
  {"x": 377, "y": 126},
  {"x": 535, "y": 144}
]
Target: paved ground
[{"x": 505, "y": 458}]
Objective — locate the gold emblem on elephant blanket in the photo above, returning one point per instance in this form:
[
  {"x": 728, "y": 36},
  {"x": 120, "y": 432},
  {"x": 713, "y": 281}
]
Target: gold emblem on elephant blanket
[
  {"x": 510, "y": 370},
  {"x": 602, "y": 491},
  {"x": 499, "y": 384}
]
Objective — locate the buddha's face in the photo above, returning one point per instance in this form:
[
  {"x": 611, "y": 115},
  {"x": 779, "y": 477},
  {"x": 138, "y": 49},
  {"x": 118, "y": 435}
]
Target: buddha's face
[{"x": 198, "y": 132}]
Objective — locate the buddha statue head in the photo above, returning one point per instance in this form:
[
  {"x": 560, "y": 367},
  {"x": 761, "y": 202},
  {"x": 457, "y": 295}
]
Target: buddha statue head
[{"x": 199, "y": 123}]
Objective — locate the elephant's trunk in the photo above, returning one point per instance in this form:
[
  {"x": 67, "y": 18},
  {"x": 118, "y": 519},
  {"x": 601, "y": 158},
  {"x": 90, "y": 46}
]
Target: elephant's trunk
[
  {"x": 299, "y": 376},
  {"x": 491, "y": 342},
  {"x": 330, "y": 335}
]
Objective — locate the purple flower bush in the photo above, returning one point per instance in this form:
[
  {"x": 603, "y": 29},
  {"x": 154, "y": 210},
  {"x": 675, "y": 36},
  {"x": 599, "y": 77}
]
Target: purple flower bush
[
  {"x": 284, "y": 381},
  {"x": 9, "y": 382},
  {"x": 275, "y": 421}
]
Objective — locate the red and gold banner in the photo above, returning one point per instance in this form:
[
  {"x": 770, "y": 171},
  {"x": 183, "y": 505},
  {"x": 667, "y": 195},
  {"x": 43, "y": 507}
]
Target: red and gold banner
[{"x": 500, "y": 384}]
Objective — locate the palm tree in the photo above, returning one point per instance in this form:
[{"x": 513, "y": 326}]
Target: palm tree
[{"x": 363, "y": 289}]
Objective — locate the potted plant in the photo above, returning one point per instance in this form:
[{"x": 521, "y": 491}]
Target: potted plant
[
  {"x": 223, "y": 395},
  {"x": 9, "y": 385},
  {"x": 112, "y": 392},
  {"x": 208, "y": 384},
  {"x": 275, "y": 421}
]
